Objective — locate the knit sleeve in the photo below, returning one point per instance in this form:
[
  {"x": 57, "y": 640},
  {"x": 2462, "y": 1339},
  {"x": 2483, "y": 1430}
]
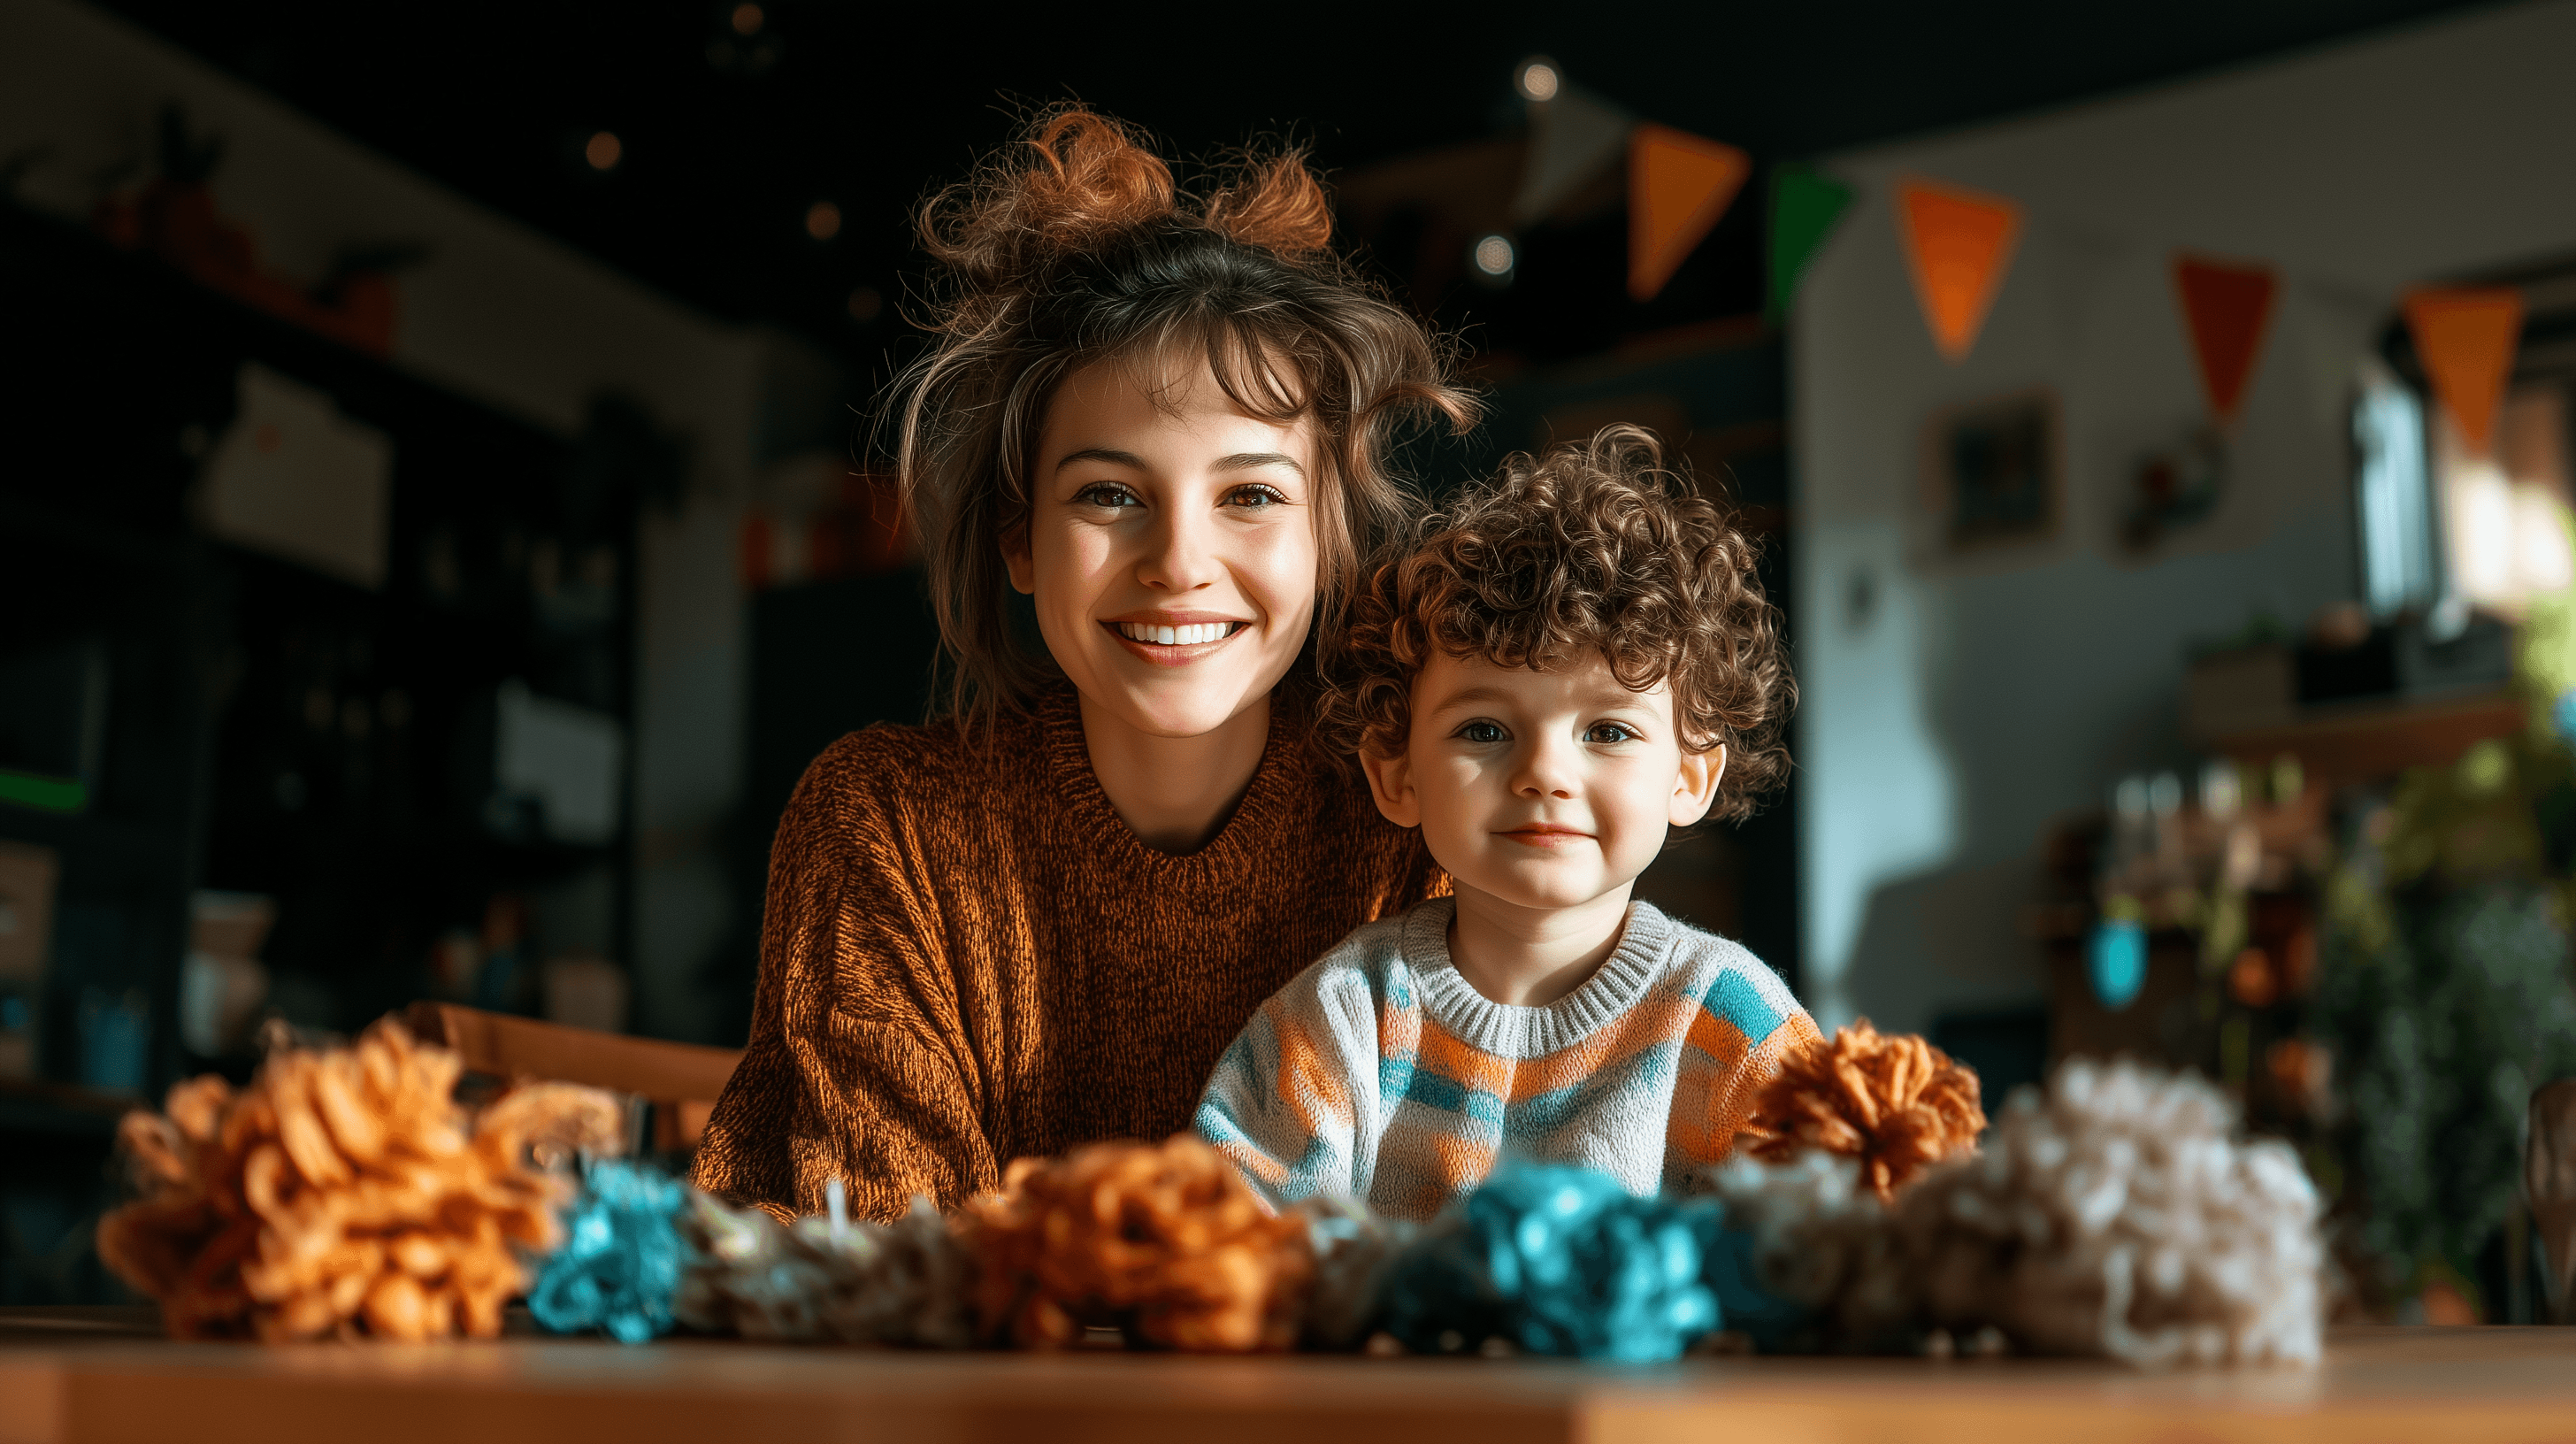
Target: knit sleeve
[
  {"x": 1293, "y": 1101},
  {"x": 857, "y": 1067},
  {"x": 1747, "y": 1021},
  {"x": 1732, "y": 1108}
]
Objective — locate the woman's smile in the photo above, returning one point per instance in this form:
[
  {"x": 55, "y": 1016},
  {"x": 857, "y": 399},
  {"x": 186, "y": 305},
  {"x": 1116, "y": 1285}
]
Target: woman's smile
[{"x": 1174, "y": 639}]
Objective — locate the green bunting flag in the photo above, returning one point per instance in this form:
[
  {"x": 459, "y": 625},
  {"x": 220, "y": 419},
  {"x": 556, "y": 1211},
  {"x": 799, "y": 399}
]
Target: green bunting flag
[{"x": 1804, "y": 207}]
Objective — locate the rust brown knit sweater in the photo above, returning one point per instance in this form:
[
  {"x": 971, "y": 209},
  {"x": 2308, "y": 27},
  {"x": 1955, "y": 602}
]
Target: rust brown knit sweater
[{"x": 967, "y": 956}]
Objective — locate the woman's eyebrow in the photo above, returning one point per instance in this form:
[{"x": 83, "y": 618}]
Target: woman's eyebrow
[
  {"x": 1247, "y": 460},
  {"x": 1102, "y": 453}
]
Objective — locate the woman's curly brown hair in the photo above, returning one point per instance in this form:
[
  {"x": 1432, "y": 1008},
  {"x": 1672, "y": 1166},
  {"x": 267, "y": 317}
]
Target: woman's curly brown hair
[
  {"x": 1593, "y": 547},
  {"x": 1077, "y": 246}
]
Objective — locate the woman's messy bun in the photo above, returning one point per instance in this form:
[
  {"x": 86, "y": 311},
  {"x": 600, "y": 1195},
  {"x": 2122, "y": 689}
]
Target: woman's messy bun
[
  {"x": 1077, "y": 245},
  {"x": 1078, "y": 178}
]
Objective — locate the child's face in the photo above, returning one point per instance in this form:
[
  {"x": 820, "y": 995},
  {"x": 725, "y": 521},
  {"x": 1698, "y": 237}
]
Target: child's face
[
  {"x": 1170, "y": 548},
  {"x": 1543, "y": 790}
]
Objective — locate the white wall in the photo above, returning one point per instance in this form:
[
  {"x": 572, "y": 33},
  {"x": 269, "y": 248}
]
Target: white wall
[
  {"x": 1944, "y": 727},
  {"x": 500, "y": 313}
]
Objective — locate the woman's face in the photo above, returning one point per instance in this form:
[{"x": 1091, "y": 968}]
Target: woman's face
[{"x": 1170, "y": 547}]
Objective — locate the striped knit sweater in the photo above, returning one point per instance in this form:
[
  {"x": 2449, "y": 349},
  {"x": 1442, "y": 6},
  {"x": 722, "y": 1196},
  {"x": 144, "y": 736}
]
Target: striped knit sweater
[{"x": 1380, "y": 1074}]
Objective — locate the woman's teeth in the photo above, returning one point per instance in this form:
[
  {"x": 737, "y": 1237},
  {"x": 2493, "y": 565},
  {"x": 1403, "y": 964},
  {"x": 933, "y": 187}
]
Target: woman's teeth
[{"x": 1191, "y": 635}]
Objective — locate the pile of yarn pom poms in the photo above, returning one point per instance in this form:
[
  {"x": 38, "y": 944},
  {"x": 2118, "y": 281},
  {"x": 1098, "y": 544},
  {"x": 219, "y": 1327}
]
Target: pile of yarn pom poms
[{"x": 2117, "y": 1214}]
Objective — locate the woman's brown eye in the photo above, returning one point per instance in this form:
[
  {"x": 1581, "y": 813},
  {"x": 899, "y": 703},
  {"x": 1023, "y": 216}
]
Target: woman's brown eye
[{"x": 1257, "y": 496}]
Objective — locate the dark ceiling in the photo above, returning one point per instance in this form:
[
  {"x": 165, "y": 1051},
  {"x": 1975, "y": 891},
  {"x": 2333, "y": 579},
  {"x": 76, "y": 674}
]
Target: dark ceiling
[{"x": 728, "y": 138}]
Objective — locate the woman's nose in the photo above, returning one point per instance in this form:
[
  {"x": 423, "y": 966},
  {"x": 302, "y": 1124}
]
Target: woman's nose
[{"x": 1181, "y": 554}]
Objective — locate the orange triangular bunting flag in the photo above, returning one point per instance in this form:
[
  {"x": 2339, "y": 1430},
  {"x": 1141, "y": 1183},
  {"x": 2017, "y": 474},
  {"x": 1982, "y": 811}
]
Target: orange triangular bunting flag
[
  {"x": 2228, "y": 309},
  {"x": 2466, "y": 340},
  {"x": 1678, "y": 186},
  {"x": 1958, "y": 243}
]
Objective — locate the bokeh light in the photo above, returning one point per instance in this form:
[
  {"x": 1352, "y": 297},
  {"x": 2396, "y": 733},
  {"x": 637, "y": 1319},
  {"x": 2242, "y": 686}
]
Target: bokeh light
[
  {"x": 822, "y": 220},
  {"x": 866, "y": 304},
  {"x": 1538, "y": 79},
  {"x": 747, "y": 19},
  {"x": 604, "y": 151},
  {"x": 1494, "y": 256}
]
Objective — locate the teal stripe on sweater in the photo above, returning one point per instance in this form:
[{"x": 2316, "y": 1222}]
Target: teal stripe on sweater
[{"x": 1735, "y": 1000}]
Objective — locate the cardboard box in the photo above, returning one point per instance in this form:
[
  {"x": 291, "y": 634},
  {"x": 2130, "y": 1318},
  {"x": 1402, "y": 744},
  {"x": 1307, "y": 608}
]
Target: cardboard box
[
  {"x": 2244, "y": 690},
  {"x": 27, "y": 878}
]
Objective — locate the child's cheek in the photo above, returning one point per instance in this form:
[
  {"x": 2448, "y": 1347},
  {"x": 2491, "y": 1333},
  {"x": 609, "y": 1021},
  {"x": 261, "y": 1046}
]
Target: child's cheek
[{"x": 1635, "y": 816}]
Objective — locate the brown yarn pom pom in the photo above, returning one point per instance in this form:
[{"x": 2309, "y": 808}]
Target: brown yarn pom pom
[
  {"x": 1165, "y": 1243},
  {"x": 1893, "y": 1101},
  {"x": 342, "y": 1193}
]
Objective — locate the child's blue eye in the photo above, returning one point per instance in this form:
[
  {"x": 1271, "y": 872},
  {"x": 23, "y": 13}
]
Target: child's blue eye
[
  {"x": 1608, "y": 732},
  {"x": 1481, "y": 730}
]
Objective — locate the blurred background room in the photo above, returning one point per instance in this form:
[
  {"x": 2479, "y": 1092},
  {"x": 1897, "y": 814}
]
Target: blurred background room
[{"x": 443, "y": 512}]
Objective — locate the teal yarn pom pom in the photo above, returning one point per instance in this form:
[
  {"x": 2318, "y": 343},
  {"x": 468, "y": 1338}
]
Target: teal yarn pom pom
[
  {"x": 1560, "y": 1261},
  {"x": 621, "y": 1257}
]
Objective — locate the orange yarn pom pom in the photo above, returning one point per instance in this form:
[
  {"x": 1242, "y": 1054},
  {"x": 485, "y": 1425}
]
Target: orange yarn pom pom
[
  {"x": 1895, "y": 1102},
  {"x": 342, "y": 1193},
  {"x": 1163, "y": 1242}
]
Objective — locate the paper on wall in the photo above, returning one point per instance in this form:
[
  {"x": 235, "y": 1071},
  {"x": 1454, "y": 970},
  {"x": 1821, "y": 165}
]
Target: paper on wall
[
  {"x": 568, "y": 758},
  {"x": 296, "y": 479}
]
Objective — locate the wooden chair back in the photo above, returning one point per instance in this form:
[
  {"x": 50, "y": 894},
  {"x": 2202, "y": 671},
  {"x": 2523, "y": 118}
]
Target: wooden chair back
[
  {"x": 2549, "y": 1187},
  {"x": 681, "y": 1081}
]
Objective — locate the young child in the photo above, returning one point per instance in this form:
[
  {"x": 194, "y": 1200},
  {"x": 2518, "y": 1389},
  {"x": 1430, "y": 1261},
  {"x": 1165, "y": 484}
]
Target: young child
[{"x": 1569, "y": 662}]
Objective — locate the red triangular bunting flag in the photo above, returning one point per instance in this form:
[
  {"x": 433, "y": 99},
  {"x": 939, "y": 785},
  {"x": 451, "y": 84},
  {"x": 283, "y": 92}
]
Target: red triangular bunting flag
[
  {"x": 2466, "y": 340},
  {"x": 1958, "y": 243},
  {"x": 2228, "y": 309},
  {"x": 1678, "y": 186}
]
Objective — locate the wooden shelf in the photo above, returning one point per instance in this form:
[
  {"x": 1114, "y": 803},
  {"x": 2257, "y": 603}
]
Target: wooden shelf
[
  {"x": 2358, "y": 742},
  {"x": 32, "y": 1106}
]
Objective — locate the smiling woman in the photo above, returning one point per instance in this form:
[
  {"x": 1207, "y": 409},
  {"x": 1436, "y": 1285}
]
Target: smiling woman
[{"x": 1163, "y": 418}]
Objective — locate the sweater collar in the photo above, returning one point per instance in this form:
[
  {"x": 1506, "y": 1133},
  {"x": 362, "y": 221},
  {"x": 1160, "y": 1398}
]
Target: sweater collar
[
  {"x": 1504, "y": 1030},
  {"x": 1279, "y": 782}
]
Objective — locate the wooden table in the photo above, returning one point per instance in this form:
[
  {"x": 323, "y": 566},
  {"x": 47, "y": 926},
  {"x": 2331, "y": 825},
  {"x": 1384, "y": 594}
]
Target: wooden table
[{"x": 84, "y": 1380}]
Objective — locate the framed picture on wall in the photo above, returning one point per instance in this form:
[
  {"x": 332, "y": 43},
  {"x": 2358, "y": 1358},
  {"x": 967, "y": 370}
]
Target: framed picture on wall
[{"x": 1994, "y": 472}]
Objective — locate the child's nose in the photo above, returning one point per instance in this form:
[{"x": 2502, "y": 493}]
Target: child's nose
[{"x": 1547, "y": 770}]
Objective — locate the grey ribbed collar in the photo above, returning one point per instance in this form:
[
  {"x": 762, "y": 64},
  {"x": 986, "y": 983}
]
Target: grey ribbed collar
[{"x": 1507, "y": 1031}]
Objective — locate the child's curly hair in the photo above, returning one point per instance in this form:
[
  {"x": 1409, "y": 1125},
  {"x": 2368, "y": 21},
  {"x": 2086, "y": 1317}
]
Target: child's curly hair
[{"x": 1592, "y": 547}]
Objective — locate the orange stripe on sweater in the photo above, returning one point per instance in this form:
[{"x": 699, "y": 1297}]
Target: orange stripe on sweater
[
  {"x": 1255, "y": 1162},
  {"x": 1321, "y": 1095},
  {"x": 1399, "y": 1030},
  {"x": 1707, "y": 1134},
  {"x": 1460, "y": 1164},
  {"x": 1649, "y": 1024},
  {"x": 1443, "y": 1053}
]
